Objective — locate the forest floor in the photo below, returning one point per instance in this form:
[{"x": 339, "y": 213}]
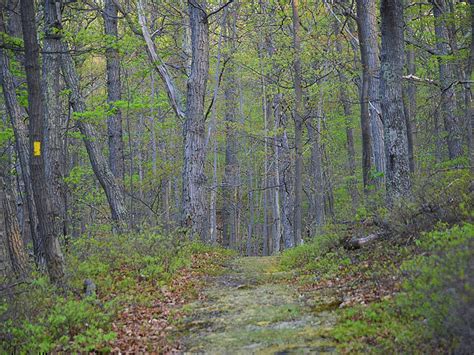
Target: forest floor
[{"x": 253, "y": 307}]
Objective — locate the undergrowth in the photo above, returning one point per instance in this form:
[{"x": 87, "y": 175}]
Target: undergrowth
[
  {"x": 129, "y": 270},
  {"x": 412, "y": 291}
]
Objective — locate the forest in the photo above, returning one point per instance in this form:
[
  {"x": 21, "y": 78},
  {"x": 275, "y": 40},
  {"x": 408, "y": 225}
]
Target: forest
[{"x": 236, "y": 176}]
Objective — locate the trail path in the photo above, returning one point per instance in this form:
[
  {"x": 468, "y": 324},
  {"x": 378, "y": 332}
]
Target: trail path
[{"x": 252, "y": 308}]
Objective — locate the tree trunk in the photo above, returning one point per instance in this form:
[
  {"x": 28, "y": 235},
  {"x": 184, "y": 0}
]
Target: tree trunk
[
  {"x": 54, "y": 148},
  {"x": 370, "y": 102},
  {"x": 114, "y": 120},
  {"x": 396, "y": 144},
  {"x": 452, "y": 122},
  {"x": 41, "y": 189},
  {"x": 18, "y": 117},
  {"x": 468, "y": 93},
  {"x": 195, "y": 209},
  {"x": 16, "y": 249},
  {"x": 112, "y": 189},
  {"x": 314, "y": 135},
  {"x": 298, "y": 118},
  {"x": 231, "y": 169},
  {"x": 410, "y": 106}
]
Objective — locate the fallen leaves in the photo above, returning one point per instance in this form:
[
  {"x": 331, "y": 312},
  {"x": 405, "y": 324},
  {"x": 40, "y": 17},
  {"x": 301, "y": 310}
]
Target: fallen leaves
[{"x": 147, "y": 328}]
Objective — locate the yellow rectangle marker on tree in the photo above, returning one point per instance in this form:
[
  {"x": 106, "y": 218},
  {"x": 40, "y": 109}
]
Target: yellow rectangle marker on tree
[{"x": 36, "y": 148}]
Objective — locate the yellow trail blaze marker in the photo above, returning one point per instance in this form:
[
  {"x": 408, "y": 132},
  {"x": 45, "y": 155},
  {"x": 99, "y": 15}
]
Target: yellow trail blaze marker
[{"x": 36, "y": 148}]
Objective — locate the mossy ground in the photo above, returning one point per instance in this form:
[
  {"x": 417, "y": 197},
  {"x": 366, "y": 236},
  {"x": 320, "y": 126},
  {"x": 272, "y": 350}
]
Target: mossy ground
[{"x": 252, "y": 307}]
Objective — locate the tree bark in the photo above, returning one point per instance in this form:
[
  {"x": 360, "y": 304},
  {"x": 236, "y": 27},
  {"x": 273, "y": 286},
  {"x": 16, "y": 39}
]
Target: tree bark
[
  {"x": 298, "y": 118},
  {"x": 410, "y": 107},
  {"x": 16, "y": 249},
  {"x": 54, "y": 119},
  {"x": 41, "y": 189},
  {"x": 195, "y": 209},
  {"x": 282, "y": 172},
  {"x": 231, "y": 169},
  {"x": 396, "y": 144},
  {"x": 18, "y": 117},
  {"x": 114, "y": 119},
  {"x": 452, "y": 122},
  {"x": 370, "y": 102}
]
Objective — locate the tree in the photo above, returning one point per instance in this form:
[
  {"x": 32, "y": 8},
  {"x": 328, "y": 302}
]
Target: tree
[
  {"x": 447, "y": 78},
  {"x": 194, "y": 192},
  {"x": 11, "y": 229},
  {"x": 231, "y": 170},
  {"x": 395, "y": 130},
  {"x": 114, "y": 119},
  {"x": 371, "y": 122},
  {"x": 298, "y": 119},
  {"x": 41, "y": 188}
]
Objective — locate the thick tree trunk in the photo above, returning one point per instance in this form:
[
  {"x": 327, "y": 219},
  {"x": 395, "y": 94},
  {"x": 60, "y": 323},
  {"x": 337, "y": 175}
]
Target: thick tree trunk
[
  {"x": 370, "y": 102},
  {"x": 195, "y": 209},
  {"x": 114, "y": 120},
  {"x": 452, "y": 122},
  {"x": 396, "y": 143},
  {"x": 41, "y": 189},
  {"x": 54, "y": 118},
  {"x": 18, "y": 117},
  {"x": 112, "y": 188},
  {"x": 14, "y": 242}
]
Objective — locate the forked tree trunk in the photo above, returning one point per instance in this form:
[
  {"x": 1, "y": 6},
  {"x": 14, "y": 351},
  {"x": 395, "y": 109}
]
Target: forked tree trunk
[
  {"x": 18, "y": 117},
  {"x": 41, "y": 189}
]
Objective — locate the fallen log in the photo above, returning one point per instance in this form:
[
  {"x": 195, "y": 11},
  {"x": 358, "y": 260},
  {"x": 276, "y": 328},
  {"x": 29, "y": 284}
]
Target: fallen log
[{"x": 359, "y": 242}]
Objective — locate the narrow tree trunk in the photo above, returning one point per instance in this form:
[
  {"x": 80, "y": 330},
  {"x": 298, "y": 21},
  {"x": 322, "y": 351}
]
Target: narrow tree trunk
[
  {"x": 398, "y": 166},
  {"x": 41, "y": 190},
  {"x": 351, "y": 164},
  {"x": 213, "y": 135},
  {"x": 114, "y": 120},
  {"x": 410, "y": 107},
  {"x": 276, "y": 142},
  {"x": 369, "y": 49},
  {"x": 231, "y": 169},
  {"x": 298, "y": 118},
  {"x": 285, "y": 176},
  {"x": 468, "y": 93},
  {"x": 112, "y": 189},
  {"x": 195, "y": 209},
  {"x": 452, "y": 122},
  {"x": 314, "y": 134}
]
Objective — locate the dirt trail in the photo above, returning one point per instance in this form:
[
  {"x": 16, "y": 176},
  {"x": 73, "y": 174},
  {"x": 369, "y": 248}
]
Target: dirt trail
[{"x": 251, "y": 308}]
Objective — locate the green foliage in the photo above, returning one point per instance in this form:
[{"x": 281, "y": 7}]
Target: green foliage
[
  {"x": 434, "y": 309},
  {"x": 126, "y": 268},
  {"x": 46, "y": 321},
  {"x": 318, "y": 255}
]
